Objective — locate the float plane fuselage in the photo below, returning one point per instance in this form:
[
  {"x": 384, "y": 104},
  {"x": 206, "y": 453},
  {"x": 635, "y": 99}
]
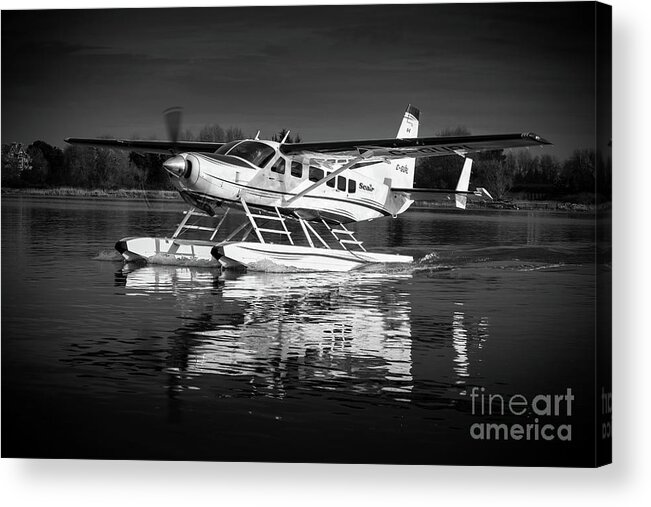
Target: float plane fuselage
[
  {"x": 332, "y": 183},
  {"x": 340, "y": 181}
]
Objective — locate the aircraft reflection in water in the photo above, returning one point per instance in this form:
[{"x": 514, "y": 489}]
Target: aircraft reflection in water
[
  {"x": 462, "y": 340},
  {"x": 299, "y": 330},
  {"x": 309, "y": 326}
]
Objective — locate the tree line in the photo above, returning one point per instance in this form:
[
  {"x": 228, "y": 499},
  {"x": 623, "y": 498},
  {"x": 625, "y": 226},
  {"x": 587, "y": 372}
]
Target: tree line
[
  {"x": 516, "y": 173},
  {"x": 583, "y": 177},
  {"x": 98, "y": 168}
]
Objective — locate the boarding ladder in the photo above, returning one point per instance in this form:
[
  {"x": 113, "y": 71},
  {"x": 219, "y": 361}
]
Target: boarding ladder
[
  {"x": 184, "y": 226},
  {"x": 259, "y": 230},
  {"x": 344, "y": 236}
]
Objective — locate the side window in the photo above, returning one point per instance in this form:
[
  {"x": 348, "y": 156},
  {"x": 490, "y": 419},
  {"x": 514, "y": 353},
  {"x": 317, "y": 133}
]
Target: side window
[
  {"x": 352, "y": 186},
  {"x": 341, "y": 183},
  {"x": 331, "y": 183},
  {"x": 279, "y": 166},
  {"x": 316, "y": 174},
  {"x": 297, "y": 169}
]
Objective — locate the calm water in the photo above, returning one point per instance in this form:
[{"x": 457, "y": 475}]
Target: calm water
[{"x": 104, "y": 360}]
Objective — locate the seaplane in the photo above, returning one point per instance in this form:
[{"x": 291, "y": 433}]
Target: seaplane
[{"x": 298, "y": 199}]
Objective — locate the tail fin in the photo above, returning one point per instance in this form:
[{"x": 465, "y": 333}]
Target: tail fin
[
  {"x": 402, "y": 170},
  {"x": 463, "y": 184},
  {"x": 409, "y": 125}
]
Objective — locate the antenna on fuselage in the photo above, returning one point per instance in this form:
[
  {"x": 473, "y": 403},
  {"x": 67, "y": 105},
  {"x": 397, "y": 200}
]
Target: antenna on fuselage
[
  {"x": 257, "y": 136},
  {"x": 285, "y": 138}
]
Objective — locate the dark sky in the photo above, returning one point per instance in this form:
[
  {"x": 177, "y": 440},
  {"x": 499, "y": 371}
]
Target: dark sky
[{"x": 325, "y": 72}]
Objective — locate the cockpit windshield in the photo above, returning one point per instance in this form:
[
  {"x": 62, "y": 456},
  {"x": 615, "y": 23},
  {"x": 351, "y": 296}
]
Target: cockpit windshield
[
  {"x": 259, "y": 154},
  {"x": 225, "y": 147}
]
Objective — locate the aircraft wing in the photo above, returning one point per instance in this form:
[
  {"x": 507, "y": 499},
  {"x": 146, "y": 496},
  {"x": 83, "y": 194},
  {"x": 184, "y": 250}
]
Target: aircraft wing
[
  {"x": 416, "y": 147},
  {"x": 165, "y": 147}
]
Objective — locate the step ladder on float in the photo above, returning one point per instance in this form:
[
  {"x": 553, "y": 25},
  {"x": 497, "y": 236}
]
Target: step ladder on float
[
  {"x": 177, "y": 246},
  {"x": 342, "y": 231}
]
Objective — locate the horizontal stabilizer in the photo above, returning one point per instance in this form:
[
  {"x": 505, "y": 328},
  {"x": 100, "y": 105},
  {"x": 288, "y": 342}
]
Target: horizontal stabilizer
[
  {"x": 444, "y": 194},
  {"x": 482, "y": 192}
]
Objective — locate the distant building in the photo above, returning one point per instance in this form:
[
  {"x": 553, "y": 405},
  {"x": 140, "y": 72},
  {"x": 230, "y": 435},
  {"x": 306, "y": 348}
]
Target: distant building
[{"x": 17, "y": 157}]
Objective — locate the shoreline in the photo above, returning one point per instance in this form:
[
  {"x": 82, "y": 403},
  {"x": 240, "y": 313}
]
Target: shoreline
[
  {"x": 82, "y": 193},
  {"x": 519, "y": 205},
  {"x": 172, "y": 195}
]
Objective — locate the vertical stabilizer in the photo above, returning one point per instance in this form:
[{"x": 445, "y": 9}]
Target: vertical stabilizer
[
  {"x": 463, "y": 184},
  {"x": 409, "y": 125},
  {"x": 402, "y": 170}
]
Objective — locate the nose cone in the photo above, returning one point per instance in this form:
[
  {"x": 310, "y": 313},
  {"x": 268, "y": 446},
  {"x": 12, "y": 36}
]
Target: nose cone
[{"x": 175, "y": 165}]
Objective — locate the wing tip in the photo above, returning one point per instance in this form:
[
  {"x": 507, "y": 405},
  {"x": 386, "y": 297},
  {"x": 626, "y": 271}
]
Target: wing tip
[{"x": 536, "y": 137}]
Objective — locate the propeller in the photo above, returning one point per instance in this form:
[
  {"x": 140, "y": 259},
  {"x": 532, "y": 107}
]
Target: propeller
[
  {"x": 173, "y": 117},
  {"x": 175, "y": 165},
  {"x": 179, "y": 166}
]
